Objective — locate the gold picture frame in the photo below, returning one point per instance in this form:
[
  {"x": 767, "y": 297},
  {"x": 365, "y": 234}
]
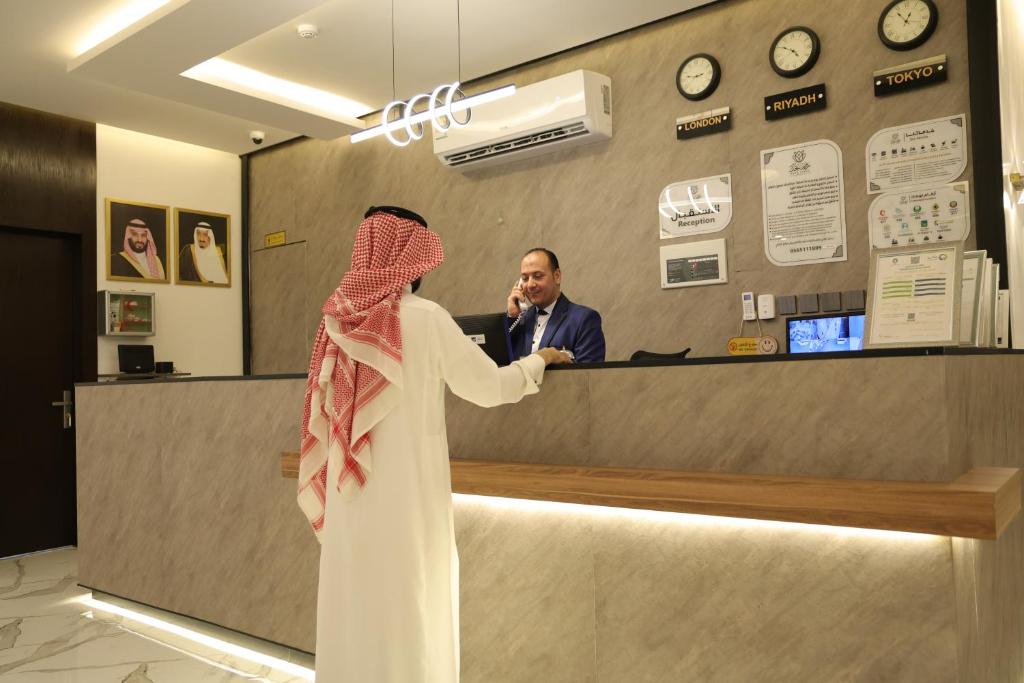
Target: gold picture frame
[
  {"x": 125, "y": 262},
  {"x": 194, "y": 265}
]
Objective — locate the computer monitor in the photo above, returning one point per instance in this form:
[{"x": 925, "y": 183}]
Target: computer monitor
[
  {"x": 135, "y": 358},
  {"x": 825, "y": 333},
  {"x": 488, "y": 331}
]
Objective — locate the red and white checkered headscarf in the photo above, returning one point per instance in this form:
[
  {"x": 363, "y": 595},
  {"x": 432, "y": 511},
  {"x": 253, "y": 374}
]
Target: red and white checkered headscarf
[{"x": 355, "y": 373}]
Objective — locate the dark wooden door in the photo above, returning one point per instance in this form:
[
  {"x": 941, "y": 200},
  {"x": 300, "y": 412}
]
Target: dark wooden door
[{"x": 37, "y": 348}]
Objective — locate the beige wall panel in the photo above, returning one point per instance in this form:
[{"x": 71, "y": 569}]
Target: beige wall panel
[
  {"x": 986, "y": 411},
  {"x": 182, "y": 511},
  {"x": 526, "y": 594},
  {"x": 272, "y": 192},
  {"x": 707, "y": 600},
  {"x": 553, "y": 427},
  {"x": 864, "y": 418},
  {"x": 228, "y": 521},
  {"x": 282, "y": 327},
  {"x": 182, "y": 506},
  {"x": 794, "y": 418},
  {"x": 986, "y": 415},
  {"x": 112, "y": 553},
  {"x": 596, "y": 205}
]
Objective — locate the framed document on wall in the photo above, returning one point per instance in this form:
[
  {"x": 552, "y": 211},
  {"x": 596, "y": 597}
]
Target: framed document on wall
[
  {"x": 914, "y": 296},
  {"x": 137, "y": 241},
  {"x": 971, "y": 288},
  {"x": 202, "y": 240}
]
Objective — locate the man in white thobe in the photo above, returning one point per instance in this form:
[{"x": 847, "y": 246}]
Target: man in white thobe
[{"x": 388, "y": 603}]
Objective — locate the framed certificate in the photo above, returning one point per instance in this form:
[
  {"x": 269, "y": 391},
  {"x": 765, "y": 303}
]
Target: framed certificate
[
  {"x": 972, "y": 282},
  {"x": 914, "y": 296}
]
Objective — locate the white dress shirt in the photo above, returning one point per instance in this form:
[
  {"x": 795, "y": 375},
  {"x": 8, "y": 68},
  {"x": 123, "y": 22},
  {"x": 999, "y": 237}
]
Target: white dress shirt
[{"x": 542, "y": 322}]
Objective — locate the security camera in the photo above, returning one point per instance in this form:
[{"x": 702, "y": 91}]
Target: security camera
[{"x": 257, "y": 136}]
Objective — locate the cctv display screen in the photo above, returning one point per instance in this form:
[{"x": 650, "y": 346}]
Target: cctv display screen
[{"x": 825, "y": 333}]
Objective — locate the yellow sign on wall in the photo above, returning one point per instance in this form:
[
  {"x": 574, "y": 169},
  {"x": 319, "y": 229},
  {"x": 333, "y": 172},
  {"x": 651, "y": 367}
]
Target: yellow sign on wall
[
  {"x": 743, "y": 346},
  {"x": 274, "y": 239},
  {"x": 752, "y": 346}
]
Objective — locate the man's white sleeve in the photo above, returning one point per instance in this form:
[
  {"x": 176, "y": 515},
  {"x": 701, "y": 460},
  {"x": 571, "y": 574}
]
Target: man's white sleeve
[{"x": 473, "y": 376}]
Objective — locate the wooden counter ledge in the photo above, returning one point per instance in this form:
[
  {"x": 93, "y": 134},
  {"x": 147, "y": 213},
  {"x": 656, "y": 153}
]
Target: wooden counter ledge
[{"x": 979, "y": 504}]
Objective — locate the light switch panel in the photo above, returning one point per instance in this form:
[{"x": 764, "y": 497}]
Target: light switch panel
[
  {"x": 785, "y": 305},
  {"x": 830, "y": 301},
  {"x": 808, "y": 303},
  {"x": 853, "y": 300}
]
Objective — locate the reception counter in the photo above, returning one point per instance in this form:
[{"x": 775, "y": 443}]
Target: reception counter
[{"x": 183, "y": 506}]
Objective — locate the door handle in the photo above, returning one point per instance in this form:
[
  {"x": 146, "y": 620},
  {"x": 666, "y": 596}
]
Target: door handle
[{"x": 65, "y": 406}]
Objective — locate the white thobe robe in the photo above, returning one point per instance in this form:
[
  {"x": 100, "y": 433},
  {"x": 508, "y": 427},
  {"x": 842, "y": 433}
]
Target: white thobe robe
[{"x": 388, "y": 602}]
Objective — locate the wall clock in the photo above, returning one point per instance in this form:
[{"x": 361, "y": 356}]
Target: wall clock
[
  {"x": 795, "y": 51},
  {"x": 698, "y": 76},
  {"x": 906, "y": 24}
]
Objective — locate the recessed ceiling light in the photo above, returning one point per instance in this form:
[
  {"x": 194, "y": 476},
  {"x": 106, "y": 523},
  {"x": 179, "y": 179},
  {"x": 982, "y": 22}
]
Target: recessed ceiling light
[
  {"x": 128, "y": 14},
  {"x": 224, "y": 74},
  {"x": 307, "y": 31}
]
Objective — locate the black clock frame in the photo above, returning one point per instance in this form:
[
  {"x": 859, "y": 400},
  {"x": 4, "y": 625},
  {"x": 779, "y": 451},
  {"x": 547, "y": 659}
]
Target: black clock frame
[
  {"x": 811, "y": 61},
  {"x": 933, "y": 22},
  {"x": 716, "y": 77}
]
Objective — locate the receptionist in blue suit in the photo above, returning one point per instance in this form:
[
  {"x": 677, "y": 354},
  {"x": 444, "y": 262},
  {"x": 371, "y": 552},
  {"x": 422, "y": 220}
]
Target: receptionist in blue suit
[{"x": 539, "y": 315}]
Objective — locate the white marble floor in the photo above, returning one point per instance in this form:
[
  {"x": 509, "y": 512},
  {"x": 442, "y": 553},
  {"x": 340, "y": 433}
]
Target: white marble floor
[{"x": 49, "y": 635}]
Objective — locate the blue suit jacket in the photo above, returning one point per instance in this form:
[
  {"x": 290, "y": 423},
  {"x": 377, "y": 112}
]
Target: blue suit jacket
[{"x": 573, "y": 327}]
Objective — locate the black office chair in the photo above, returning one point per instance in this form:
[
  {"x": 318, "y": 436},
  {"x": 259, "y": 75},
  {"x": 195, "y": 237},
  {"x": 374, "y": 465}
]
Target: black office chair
[{"x": 651, "y": 355}]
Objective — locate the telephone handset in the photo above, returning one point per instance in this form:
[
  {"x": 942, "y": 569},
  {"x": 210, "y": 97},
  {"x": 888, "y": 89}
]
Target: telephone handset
[{"x": 524, "y": 305}]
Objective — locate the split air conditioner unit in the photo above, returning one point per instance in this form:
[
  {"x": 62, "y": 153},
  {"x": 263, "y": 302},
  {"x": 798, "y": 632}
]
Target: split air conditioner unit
[{"x": 561, "y": 112}]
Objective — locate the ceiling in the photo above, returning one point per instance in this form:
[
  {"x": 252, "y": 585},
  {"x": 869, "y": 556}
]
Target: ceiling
[{"x": 208, "y": 72}]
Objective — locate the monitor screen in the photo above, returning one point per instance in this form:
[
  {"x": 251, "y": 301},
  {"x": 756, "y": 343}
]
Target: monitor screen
[
  {"x": 134, "y": 358},
  {"x": 488, "y": 331},
  {"x": 826, "y": 333}
]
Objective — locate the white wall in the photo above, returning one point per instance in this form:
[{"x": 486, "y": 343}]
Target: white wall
[
  {"x": 1011, "y": 94},
  {"x": 198, "y": 328}
]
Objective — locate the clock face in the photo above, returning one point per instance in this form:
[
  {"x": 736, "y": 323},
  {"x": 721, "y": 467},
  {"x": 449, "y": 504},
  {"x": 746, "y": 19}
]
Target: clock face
[
  {"x": 698, "y": 76},
  {"x": 795, "y": 51},
  {"x": 906, "y": 24}
]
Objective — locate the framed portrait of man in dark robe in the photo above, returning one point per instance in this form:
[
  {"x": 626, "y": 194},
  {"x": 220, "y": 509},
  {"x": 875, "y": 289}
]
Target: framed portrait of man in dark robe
[
  {"x": 202, "y": 240},
  {"x": 137, "y": 241}
]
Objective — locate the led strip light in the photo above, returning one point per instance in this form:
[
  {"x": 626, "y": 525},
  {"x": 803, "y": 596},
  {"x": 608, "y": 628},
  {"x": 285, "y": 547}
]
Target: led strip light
[{"x": 202, "y": 639}]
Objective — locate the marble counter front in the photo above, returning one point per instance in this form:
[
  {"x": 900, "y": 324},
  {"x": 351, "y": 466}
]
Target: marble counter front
[{"x": 182, "y": 506}]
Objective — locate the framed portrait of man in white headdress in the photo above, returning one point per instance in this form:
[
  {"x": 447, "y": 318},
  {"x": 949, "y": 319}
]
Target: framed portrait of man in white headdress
[
  {"x": 137, "y": 241},
  {"x": 202, "y": 240}
]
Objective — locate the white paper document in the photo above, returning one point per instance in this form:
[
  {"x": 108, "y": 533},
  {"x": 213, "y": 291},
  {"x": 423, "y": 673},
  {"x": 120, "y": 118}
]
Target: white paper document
[
  {"x": 922, "y": 154},
  {"x": 937, "y": 214},
  {"x": 802, "y": 203},
  {"x": 915, "y": 296},
  {"x": 694, "y": 207}
]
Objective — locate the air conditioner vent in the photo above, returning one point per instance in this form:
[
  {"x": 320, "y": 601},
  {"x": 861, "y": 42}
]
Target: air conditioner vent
[{"x": 524, "y": 142}]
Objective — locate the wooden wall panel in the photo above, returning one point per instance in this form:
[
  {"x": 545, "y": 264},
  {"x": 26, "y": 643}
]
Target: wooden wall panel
[
  {"x": 48, "y": 183},
  {"x": 47, "y": 171}
]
